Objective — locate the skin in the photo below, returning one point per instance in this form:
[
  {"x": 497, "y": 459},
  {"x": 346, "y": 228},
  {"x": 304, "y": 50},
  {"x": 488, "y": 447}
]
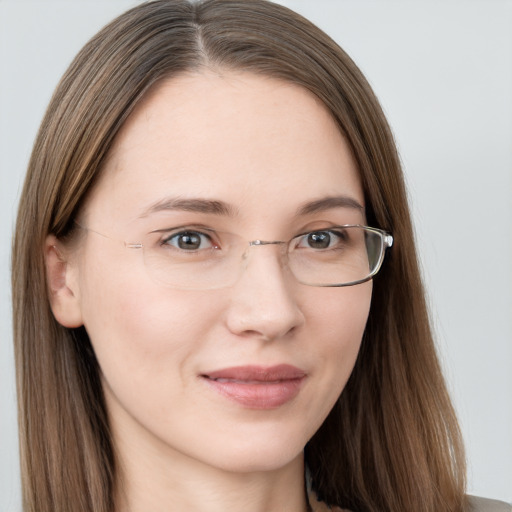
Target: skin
[{"x": 265, "y": 148}]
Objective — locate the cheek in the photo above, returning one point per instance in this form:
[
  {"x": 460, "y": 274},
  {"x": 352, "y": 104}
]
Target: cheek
[
  {"x": 338, "y": 322},
  {"x": 340, "y": 315},
  {"x": 143, "y": 334}
]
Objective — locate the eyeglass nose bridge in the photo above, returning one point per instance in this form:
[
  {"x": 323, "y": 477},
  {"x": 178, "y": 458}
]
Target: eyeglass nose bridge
[
  {"x": 266, "y": 242},
  {"x": 252, "y": 243}
]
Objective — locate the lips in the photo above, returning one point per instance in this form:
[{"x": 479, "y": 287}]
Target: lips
[{"x": 257, "y": 387}]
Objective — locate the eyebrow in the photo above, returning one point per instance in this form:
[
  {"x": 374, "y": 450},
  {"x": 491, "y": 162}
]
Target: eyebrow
[
  {"x": 216, "y": 207},
  {"x": 197, "y": 205},
  {"x": 328, "y": 203}
]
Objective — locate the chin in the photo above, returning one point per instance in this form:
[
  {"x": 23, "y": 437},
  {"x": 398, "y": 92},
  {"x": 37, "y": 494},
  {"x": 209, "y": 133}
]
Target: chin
[
  {"x": 260, "y": 455},
  {"x": 259, "y": 464}
]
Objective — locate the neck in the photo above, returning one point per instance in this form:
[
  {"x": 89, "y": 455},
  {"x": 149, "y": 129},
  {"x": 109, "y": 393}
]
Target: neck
[{"x": 167, "y": 483}]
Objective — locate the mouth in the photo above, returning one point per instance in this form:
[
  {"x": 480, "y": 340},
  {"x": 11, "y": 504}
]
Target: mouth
[{"x": 257, "y": 387}]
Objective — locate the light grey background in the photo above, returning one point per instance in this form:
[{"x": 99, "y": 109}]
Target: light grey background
[{"x": 443, "y": 71}]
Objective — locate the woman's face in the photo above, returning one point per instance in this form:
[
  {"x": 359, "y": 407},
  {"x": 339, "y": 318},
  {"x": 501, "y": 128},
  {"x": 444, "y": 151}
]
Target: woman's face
[{"x": 199, "y": 374}]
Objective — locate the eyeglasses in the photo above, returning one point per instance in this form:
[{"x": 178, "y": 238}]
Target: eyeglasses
[{"x": 195, "y": 257}]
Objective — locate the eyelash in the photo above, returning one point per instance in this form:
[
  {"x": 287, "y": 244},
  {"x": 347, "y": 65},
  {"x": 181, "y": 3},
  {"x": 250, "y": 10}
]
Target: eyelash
[
  {"x": 202, "y": 233},
  {"x": 208, "y": 234}
]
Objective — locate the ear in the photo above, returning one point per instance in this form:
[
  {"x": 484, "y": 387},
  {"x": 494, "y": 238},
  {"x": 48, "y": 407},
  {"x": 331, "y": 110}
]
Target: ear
[{"x": 62, "y": 284}]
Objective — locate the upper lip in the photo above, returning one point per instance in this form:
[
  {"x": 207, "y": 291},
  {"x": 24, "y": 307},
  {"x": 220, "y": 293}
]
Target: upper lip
[{"x": 255, "y": 373}]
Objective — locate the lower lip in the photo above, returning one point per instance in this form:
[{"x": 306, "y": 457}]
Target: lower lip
[{"x": 258, "y": 395}]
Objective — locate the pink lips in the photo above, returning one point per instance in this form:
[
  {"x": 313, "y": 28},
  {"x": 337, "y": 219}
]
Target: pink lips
[{"x": 257, "y": 387}]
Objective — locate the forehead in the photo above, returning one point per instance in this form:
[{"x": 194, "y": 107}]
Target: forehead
[{"x": 257, "y": 143}]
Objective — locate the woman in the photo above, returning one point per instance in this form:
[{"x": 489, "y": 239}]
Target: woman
[{"x": 196, "y": 328}]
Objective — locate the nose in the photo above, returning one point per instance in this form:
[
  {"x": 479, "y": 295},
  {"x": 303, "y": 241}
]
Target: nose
[{"x": 263, "y": 301}]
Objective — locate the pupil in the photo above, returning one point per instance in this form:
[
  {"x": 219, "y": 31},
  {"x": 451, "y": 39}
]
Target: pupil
[
  {"x": 189, "y": 241},
  {"x": 319, "y": 240}
]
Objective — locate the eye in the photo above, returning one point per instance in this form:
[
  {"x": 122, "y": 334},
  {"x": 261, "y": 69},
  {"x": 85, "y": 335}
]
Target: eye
[
  {"x": 320, "y": 240},
  {"x": 190, "y": 241}
]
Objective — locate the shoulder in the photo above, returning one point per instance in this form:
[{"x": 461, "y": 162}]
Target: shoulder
[{"x": 476, "y": 504}]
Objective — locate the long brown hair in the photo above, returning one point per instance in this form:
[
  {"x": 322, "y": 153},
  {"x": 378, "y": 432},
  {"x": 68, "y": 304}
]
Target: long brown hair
[{"x": 391, "y": 443}]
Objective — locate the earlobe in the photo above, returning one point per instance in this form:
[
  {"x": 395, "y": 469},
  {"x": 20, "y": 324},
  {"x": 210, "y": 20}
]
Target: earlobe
[{"x": 62, "y": 287}]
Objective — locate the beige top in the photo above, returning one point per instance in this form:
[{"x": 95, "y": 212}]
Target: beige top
[{"x": 475, "y": 504}]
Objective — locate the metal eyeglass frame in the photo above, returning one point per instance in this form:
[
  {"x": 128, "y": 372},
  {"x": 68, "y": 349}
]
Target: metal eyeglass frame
[{"x": 387, "y": 242}]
